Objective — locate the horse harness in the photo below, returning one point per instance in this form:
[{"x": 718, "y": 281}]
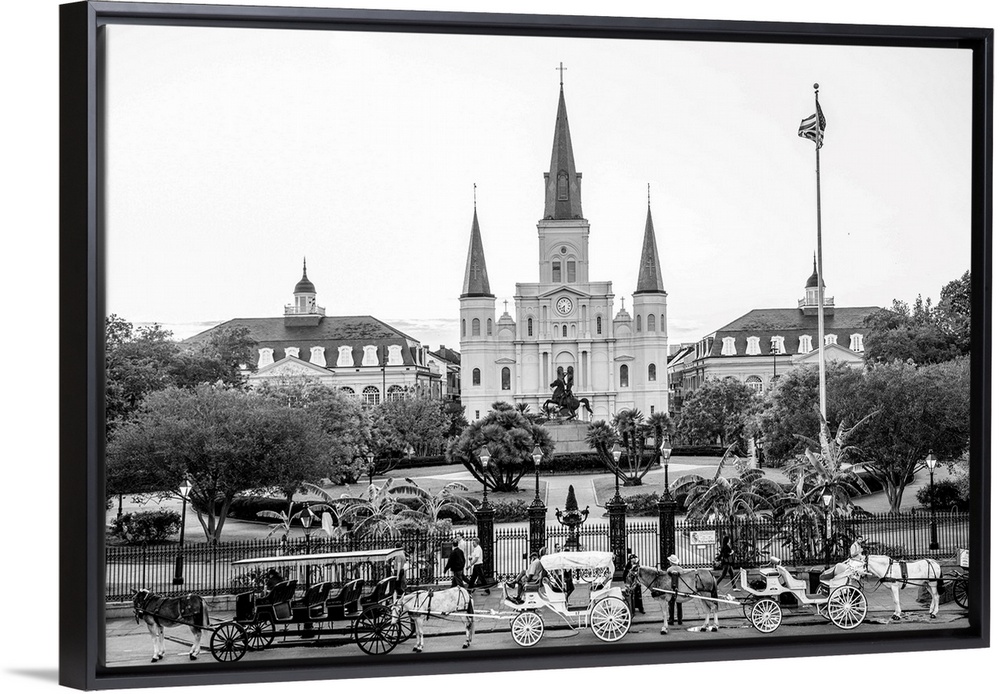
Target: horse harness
[
  {"x": 903, "y": 575},
  {"x": 152, "y": 606},
  {"x": 441, "y": 615}
]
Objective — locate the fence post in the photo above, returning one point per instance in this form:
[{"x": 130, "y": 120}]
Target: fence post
[
  {"x": 668, "y": 526},
  {"x": 536, "y": 525},
  {"x": 616, "y": 535},
  {"x": 484, "y": 526}
]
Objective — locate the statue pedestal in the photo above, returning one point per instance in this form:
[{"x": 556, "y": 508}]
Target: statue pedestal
[{"x": 569, "y": 436}]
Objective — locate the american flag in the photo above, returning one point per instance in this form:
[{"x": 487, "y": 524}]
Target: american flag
[{"x": 813, "y": 126}]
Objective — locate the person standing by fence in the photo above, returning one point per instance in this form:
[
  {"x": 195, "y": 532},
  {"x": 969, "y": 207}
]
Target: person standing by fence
[
  {"x": 726, "y": 559},
  {"x": 475, "y": 565},
  {"x": 673, "y": 570},
  {"x": 456, "y": 565},
  {"x": 633, "y": 589}
]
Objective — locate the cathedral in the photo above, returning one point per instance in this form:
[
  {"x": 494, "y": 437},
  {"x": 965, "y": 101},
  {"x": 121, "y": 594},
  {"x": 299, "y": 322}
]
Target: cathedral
[{"x": 565, "y": 326}]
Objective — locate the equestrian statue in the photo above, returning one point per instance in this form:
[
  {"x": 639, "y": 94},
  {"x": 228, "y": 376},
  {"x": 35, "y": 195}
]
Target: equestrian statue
[{"x": 563, "y": 403}]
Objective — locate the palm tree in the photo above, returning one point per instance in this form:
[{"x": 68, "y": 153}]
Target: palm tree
[
  {"x": 379, "y": 513},
  {"x": 631, "y": 432},
  {"x": 433, "y": 505},
  {"x": 725, "y": 499}
]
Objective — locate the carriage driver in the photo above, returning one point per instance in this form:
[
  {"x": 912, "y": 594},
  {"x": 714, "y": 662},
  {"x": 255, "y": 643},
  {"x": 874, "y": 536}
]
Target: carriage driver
[
  {"x": 530, "y": 577},
  {"x": 857, "y": 552},
  {"x": 674, "y": 571}
]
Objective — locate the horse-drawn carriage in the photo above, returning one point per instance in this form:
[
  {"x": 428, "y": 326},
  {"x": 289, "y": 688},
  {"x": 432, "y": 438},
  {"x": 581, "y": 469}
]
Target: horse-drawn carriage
[
  {"x": 836, "y": 596},
  {"x": 305, "y": 597},
  {"x": 960, "y": 579},
  {"x": 606, "y": 612}
]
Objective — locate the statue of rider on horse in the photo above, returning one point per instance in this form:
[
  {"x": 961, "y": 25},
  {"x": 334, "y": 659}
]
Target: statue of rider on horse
[{"x": 563, "y": 403}]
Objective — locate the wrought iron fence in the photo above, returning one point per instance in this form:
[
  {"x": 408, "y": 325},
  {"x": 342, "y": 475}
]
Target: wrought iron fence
[{"x": 208, "y": 570}]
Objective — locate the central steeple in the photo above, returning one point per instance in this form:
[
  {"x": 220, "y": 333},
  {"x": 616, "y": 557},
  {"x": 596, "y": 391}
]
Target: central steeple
[{"x": 562, "y": 182}]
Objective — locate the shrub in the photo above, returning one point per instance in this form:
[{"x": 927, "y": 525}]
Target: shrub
[
  {"x": 510, "y": 511},
  {"x": 947, "y": 495},
  {"x": 146, "y": 526},
  {"x": 247, "y": 507},
  {"x": 642, "y": 504}
]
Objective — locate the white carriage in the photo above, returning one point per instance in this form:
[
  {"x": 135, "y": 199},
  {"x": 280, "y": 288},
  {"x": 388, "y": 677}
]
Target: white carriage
[
  {"x": 838, "y": 597},
  {"x": 606, "y": 612}
]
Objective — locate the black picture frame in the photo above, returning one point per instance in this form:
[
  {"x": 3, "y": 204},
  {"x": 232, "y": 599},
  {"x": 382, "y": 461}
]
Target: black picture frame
[{"x": 82, "y": 312}]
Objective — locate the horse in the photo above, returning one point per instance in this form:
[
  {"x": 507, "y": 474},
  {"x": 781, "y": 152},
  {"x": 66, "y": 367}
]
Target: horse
[
  {"x": 158, "y": 612},
  {"x": 681, "y": 585},
  {"x": 566, "y": 407},
  {"x": 422, "y": 604},
  {"x": 896, "y": 574}
]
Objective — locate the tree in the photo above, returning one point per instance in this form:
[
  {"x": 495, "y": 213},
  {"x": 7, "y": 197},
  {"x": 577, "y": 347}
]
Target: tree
[
  {"x": 379, "y": 513},
  {"x": 923, "y": 334},
  {"x": 344, "y": 424},
  {"x": 788, "y": 416},
  {"x": 919, "y": 408},
  {"x": 225, "y": 441},
  {"x": 510, "y": 438},
  {"x": 725, "y": 499},
  {"x": 446, "y": 500},
  {"x": 718, "y": 412},
  {"x": 631, "y": 432},
  {"x": 418, "y": 422}
]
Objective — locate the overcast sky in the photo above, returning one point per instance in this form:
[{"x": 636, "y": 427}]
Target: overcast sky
[{"x": 232, "y": 154}]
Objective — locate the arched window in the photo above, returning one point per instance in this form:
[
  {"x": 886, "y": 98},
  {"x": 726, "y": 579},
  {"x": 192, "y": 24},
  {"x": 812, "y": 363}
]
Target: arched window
[
  {"x": 623, "y": 375},
  {"x": 395, "y": 393},
  {"x": 638, "y": 324},
  {"x": 651, "y": 323},
  {"x": 556, "y": 271},
  {"x": 370, "y": 396},
  {"x": 562, "y": 185},
  {"x": 564, "y": 330},
  {"x": 858, "y": 342},
  {"x": 463, "y": 327},
  {"x": 475, "y": 377},
  {"x": 651, "y": 372},
  {"x": 805, "y": 344},
  {"x": 663, "y": 323},
  {"x": 505, "y": 378},
  {"x": 489, "y": 326},
  {"x": 370, "y": 357},
  {"x": 475, "y": 327},
  {"x": 571, "y": 271},
  {"x": 347, "y": 391},
  {"x": 599, "y": 326},
  {"x": 755, "y": 383},
  {"x": 531, "y": 326},
  {"x": 728, "y": 346}
]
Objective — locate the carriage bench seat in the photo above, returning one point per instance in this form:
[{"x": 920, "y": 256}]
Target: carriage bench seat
[
  {"x": 382, "y": 591},
  {"x": 346, "y": 601},
  {"x": 313, "y": 603},
  {"x": 790, "y": 581},
  {"x": 277, "y": 604}
]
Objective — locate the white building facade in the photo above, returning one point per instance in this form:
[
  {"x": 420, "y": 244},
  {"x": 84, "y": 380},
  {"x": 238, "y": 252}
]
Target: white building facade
[{"x": 564, "y": 323}]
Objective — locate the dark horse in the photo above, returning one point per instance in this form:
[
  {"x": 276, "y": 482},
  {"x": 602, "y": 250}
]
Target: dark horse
[
  {"x": 158, "y": 612},
  {"x": 566, "y": 406}
]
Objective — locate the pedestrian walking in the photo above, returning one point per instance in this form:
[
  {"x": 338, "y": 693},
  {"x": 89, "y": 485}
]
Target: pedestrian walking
[
  {"x": 474, "y": 563},
  {"x": 632, "y": 586},
  {"x": 726, "y": 559},
  {"x": 456, "y": 565}
]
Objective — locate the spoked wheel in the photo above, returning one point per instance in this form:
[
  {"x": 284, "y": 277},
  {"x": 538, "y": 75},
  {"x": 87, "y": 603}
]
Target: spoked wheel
[
  {"x": 847, "y": 607},
  {"x": 527, "y": 629},
  {"x": 260, "y": 634},
  {"x": 765, "y": 615},
  {"x": 960, "y": 586},
  {"x": 228, "y": 643},
  {"x": 610, "y": 619},
  {"x": 404, "y": 629},
  {"x": 374, "y": 631}
]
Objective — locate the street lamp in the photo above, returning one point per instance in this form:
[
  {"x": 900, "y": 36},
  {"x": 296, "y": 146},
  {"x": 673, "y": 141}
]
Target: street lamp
[
  {"x": 306, "y": 517},
  {"x": 616, "y": 454},
  {"x": 370, "y": 457},
  {"x": 827, "y": 497},
  {"x": 931, "y": 464},
  {"x": 484, "y": 460},
  {"x": 536, "y": 455},
  {"x": 185, "y": 490},
  {"x": 665, "y": 451},
  {"x": 774, "y": 361}
]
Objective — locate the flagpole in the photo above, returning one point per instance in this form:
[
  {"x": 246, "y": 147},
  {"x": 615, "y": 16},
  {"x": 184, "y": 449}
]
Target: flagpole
[{"x": 819, "y": 272}]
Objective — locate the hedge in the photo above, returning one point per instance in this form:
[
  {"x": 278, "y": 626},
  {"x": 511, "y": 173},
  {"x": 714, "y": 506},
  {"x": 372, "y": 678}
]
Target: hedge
[{"x": 146, "y": 526}]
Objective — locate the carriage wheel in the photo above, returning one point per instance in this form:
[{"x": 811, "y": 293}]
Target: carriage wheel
[
  {"x": 747, "y": 605},
  {"x": 260, "y": 634},
  {"x": 404, "y": 629},
  {"x": 228, "y": 643},
  {"x": 374, "y": 631},
  {"x": 960, "y": 586},
  {"x": 847, "y": 607},
  {"x": 610, "y": 619},
  {"x": 765, "y": 615},
  {"x": 527, "y": 629}
]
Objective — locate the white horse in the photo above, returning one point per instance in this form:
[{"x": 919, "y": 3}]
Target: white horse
[
  {"x": 423, "y": 604},
  {"x": 681, "y": 585},
  {"x": 897, "y": 574},
  {"x": 158, "y": 612}
]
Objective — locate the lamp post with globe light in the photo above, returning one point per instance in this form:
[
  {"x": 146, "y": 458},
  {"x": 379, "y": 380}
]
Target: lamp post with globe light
[
  {"x": 185, "y": 491},
  {"x": 932, "y": 462},
  {"x": 537, "y": 509},
  {"x": 484, "y": 519},
  {"x": 827, "y": 497},
  {"x": 616, "y": 508},
  {"x": 667, "y": 508}
]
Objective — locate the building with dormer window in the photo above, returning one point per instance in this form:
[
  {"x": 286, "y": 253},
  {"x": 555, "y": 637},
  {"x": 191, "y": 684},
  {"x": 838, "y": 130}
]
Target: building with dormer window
[
  {"x": 759, "y": 346},
  {"x": 565, "y": 322}
]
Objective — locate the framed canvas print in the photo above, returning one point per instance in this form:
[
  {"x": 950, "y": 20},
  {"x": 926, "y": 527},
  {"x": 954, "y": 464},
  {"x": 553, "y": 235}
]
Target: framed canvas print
[{"x": 367, "y": 395}]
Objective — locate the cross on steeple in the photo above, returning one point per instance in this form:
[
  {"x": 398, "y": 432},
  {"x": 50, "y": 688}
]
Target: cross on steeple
[
  {"x": 650, "y": 263},
  {"x": 475, "y": 271},
  {"x": 623, "y": 303},
  {"x": 561, "y": 70},
  {"x": 505, "y": 306}
]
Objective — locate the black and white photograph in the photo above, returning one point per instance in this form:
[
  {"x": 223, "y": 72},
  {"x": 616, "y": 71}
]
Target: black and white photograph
[{"x": 480, "y": 347}]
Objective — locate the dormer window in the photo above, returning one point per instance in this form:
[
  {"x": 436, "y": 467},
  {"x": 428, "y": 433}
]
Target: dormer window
[
  {"x": 729, "y": 346},
  {"x": 778, "y": 344},
  {"x": 292, "y": 352},
  {"x": 317, "y": 355},
  {"x": 265, "y": 356},
  {"x": 753, "y": 346},
  {"x": 858, "y": 342},
  {"x": 805, "y": 344},
  {"x": 830, "y": 340},
  {"x": 371, "y": 356},
  {"x": 395, "y": 355},
  {"x": 345, "y": 356}
]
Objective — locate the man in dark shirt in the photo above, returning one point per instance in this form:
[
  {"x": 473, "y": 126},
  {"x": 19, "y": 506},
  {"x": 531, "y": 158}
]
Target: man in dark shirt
[{"x": 456, "y": 565}]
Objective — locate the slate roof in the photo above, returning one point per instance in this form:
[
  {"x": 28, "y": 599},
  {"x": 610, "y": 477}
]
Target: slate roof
[
  {"x": 650, "y": 277},
  {"x": 571, "y": 206},
  {"x": 332, "y": 332},
  {"x": 477, "y": 282}
]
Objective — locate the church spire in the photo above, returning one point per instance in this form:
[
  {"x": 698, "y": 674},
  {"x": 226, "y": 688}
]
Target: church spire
[
  {"x": 477, "y": 283},
  {"x": 650, "y": 278},
  {"x": 562, "y": 182}
]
